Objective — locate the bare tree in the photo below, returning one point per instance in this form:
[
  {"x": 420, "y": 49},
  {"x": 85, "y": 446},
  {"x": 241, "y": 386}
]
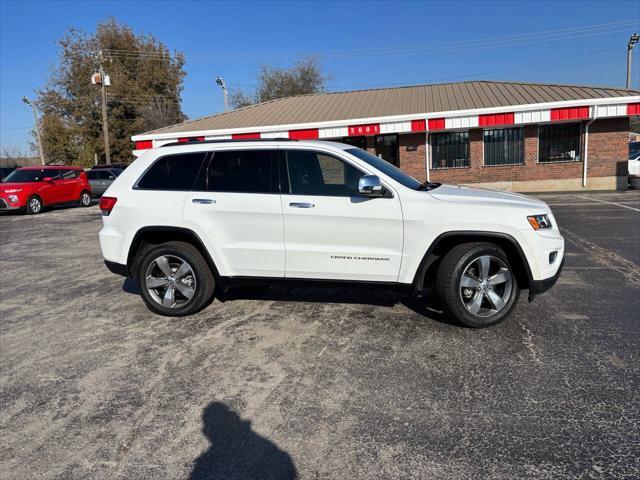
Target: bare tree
[{"x": 304, "y": 77}]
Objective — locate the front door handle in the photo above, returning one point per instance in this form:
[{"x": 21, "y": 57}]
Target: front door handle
[
  {"x": 301, "y": 205},
  {"x": 203, "y": 201}
]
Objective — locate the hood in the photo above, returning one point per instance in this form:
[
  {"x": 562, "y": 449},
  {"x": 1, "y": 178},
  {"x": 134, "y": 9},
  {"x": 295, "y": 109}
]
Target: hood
[
  {"x": 459, "y": 194},
  {"x": 11, "y": 185}
]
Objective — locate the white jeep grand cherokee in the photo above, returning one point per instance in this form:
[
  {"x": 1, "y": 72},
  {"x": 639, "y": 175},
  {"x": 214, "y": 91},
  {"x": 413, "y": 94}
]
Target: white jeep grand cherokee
[{"x": 186, "y": 218}]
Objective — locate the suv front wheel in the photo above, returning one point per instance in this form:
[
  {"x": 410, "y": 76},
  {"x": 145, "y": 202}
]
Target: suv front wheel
[
  {"x": 175, "y": 280},
  {"x": 477, "y": 284}
]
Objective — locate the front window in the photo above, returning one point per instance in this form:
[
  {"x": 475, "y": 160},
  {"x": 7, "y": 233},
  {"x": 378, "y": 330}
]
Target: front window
[
  {"x": 318, "y": 173},
  {"x": 386, "y": 168},
  {"x": 28, "y": 176},
  {"x": 504, "y": 146},
  {"x": 559, "y": 143},
  {"x": 450, "y": 150}
]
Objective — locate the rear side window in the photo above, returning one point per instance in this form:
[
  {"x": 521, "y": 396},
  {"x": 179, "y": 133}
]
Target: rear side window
[
  {"x": 173, "y": 172},
  {"x": 247, "y": 171},
  {"x": 92, "y": 175}
]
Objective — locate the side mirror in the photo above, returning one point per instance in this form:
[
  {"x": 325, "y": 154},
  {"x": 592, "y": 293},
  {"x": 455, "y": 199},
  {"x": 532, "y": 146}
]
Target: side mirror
[
  {"x": 370, "y": 185},
  {"x": 47, "y": 179}
]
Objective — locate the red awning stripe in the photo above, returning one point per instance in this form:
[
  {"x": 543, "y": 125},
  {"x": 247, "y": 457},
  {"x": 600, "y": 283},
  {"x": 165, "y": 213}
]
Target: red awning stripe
[
  {"x": 418, "y": 125},
  {"x": 491, "y": 120},
  {"x": 633, "y": 109},
  {"x": 436, "y": 124},
  {"x": 245, "y": 136},
  {"x": 307, "y": 134},
  {"x": 571, "y": 113}
]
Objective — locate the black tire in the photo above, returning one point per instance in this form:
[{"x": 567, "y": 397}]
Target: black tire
[
  {"x": 203, "y": 279},
  {"x": 85, "y": 199},
  {"x": 448, "y": 285},
  {"x": 34, "y": 205}
]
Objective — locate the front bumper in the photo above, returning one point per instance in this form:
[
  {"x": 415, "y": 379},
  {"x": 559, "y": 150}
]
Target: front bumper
[
  {"x": 6, "y": 206},
  {"x": 540, "y": 286},
  {"x": 117, "y": 268}
]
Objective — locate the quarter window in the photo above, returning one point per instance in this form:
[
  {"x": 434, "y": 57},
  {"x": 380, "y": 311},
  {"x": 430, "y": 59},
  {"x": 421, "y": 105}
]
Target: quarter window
[
  {"x": 317, "y": 173},
  {"x": 559, "y": 143},
  {"x": 68, "y": 174},
  {"x": 247, "y": 171},
  {"x": 450, "y": 150},
  {"x": 173, "y": 172},
  {"x": 504, "y": 146}
]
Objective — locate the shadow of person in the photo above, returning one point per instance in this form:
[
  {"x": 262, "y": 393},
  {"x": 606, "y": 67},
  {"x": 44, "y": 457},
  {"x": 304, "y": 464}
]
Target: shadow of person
[{"x": 237, "y": 452}]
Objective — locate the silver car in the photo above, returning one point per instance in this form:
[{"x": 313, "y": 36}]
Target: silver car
[{"x": 100, "y": 179}]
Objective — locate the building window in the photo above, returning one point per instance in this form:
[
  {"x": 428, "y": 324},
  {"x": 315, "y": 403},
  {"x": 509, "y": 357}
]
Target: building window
[
  {"x": 559, "y": 143},
  {"x": 450, "y": 150},
  {"x": 504, "y": 146}
]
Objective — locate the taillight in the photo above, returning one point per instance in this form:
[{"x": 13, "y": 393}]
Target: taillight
[{"x": 107, "y": 204}]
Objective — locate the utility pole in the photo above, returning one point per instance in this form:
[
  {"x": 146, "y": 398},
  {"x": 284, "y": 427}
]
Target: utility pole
[
  {"x": 26, "y": 101},
  {"x": 104, "y": 81},
  {"x": 632, "y": 41},
  {"x": 220, "y": 81}
]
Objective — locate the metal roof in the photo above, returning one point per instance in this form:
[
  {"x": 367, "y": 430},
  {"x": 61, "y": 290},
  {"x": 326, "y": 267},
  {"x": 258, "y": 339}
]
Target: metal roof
[{"x": 387, "y": 102}]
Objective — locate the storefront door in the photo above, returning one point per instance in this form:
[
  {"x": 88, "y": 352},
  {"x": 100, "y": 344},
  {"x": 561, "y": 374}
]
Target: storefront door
[
  {"x": 387, "y": 148},
  {"x": 359, "y": 142}
]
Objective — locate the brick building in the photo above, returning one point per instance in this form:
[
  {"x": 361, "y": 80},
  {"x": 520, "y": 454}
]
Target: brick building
[{"x": 514, "y": 136}]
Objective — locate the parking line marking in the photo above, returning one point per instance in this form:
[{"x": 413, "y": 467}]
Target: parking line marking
[{"x": 610, "y": 203}]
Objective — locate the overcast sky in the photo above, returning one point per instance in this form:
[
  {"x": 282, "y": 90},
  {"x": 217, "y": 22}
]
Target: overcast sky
[{"x": 360, "y": 44}]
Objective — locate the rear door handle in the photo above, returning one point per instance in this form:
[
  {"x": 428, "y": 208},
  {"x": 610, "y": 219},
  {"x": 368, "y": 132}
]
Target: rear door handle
[
  {"x": 301, "y": 205},
  {"x": 203, "y": 201}
]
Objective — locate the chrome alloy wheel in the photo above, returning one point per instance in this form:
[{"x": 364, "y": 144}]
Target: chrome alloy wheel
[
  {"x": 170, "y": 281},
  {"x": 85, "y": 199},
  {"x": 35, "y": 205},
  {"x": 485, "y": 286}
]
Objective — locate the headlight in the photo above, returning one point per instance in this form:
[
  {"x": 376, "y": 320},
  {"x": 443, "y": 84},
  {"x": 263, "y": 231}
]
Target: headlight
[
  {"x": 539, "y": 222},
  {"x": 13, "y": 198}
]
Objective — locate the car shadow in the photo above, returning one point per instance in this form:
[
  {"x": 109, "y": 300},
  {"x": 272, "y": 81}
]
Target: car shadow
[
  {"x": 237, "y": 452},
  {"x": 426, "y": 306}
]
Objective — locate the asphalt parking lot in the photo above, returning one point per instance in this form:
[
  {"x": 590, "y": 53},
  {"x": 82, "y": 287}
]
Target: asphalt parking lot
[{"x": 317, "y": 383}]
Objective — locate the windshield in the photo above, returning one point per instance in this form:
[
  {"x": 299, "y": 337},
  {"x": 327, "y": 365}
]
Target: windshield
[
  {"x": 25, "y": 176},
  {"x": 386, "y": 168}
]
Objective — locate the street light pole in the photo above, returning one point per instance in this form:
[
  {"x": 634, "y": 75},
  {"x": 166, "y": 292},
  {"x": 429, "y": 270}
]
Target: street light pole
[
  {"x": 632, "y": 41},
  {"x": 105, "y": 123},
  {"x": 223, "y": 85},
  {"x": 26, "y": 101}
]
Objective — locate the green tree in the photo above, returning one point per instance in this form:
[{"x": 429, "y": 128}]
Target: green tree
[
  {"x": 146, "y": 81},
  {"x": 304, "y": 77}
]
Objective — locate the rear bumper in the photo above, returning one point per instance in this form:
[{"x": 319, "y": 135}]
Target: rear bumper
[
  {"x": 117, "y": 268},
  {"x": 540, "y": 286}
]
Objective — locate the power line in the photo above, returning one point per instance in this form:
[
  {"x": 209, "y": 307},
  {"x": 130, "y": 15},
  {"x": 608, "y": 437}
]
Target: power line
[{"x": 491, "y": 42}]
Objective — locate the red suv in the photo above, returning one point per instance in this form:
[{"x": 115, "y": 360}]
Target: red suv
[{"x": 32, "y": 188}]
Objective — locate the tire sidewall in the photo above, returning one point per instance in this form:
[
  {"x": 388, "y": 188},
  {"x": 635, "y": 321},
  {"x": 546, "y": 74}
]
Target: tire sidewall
[
  {"x": 82, "y": 197},
  {"x": 28, "y": 207},
  {"x": 458, "y": 309},
  {"x": 199, "y": 298}
]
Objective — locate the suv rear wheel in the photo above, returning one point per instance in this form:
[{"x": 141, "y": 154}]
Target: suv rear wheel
[
  {"x": 477, "y": 284},
  {"x": 175, "y": 280}
]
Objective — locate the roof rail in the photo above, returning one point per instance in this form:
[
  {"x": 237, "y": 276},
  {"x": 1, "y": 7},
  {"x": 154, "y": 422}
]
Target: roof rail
[{"x": 229, "y": 140}]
